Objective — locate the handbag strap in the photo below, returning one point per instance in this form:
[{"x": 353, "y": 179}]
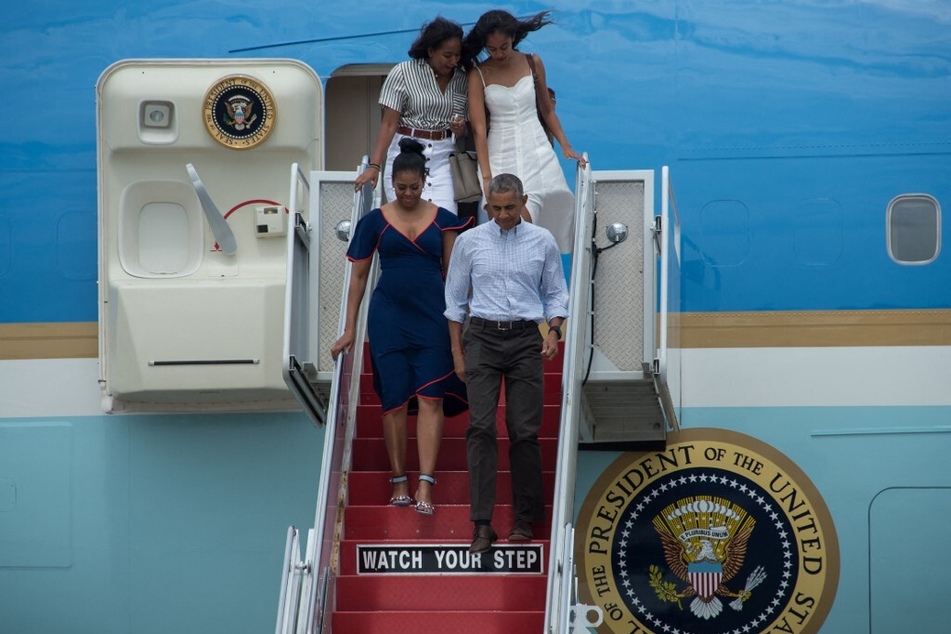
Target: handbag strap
[{"x": 531, "y": 65}]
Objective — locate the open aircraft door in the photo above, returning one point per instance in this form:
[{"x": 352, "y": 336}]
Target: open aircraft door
[{"x": 192, "y": 178}]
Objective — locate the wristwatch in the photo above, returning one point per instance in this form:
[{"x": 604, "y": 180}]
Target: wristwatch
[{"x": 556, "y": 330}]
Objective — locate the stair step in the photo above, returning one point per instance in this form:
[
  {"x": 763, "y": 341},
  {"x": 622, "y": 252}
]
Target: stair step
[
  {"x": 460, "y": 602},
  {"x": 450, "y": 522},
  {"x": 439, "y": 593},
  {"x": 509, "y": 557},
  {"x": 369, "y": 422},
  {"x": 369, "y": 454},
  {"x": 374, "y": 488},
  {"x": 458, "y": 622},
  {"x": 551, "y": 365},
  {"x": 552, "y": 387}
]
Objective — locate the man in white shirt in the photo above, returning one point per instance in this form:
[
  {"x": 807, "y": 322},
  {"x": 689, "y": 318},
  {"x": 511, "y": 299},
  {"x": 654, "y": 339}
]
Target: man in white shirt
[{"x": 514, "y": 271}]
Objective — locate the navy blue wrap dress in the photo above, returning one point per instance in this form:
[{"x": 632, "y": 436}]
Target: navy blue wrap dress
[{"x": 409, "y": 335}]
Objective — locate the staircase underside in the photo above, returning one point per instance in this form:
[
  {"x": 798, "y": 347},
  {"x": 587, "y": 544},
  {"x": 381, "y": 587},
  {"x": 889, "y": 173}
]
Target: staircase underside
[{"x": 623, "y": 411}]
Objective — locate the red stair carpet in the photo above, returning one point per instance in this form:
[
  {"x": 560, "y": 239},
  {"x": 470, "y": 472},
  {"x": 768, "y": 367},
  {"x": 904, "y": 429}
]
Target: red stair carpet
[{"x": 406, "y": 573}]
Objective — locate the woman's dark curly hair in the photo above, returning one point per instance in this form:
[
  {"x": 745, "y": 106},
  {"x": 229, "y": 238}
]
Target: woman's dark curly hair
[
  {"x": 498, "y": 20},
  {"x": 432, "y": 34}
]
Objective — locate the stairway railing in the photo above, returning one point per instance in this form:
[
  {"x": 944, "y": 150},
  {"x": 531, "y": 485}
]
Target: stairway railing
[
  {"x": 561, "y": 551},
  {"x": 667, "y": 248},
  {"x": 307, "y": 583}
]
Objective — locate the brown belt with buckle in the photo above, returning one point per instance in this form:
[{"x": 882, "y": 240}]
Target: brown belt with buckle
[{"x": 432, "y": 135}]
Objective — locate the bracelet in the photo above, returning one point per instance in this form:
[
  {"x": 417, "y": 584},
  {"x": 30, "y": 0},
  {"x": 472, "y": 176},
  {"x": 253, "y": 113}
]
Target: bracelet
[
  {"x": 374, "y": 166},
  {"x": 556, "y": 330}
]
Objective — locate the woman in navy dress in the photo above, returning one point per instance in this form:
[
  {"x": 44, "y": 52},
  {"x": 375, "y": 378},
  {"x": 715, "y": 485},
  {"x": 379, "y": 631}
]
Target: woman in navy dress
[{"x": 409, "y": 336}]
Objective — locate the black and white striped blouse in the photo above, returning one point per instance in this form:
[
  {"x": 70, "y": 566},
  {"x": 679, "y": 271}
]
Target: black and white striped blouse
[{"x": 411, "y": 89}]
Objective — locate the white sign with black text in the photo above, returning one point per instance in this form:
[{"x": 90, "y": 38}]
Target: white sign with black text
[{"x": 448, "y": 559}]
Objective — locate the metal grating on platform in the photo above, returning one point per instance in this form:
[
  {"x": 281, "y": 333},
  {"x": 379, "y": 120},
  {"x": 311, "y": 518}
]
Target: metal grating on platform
[
  {"x": 619, "y": 297},
  {"x": 334, "y": 203}
]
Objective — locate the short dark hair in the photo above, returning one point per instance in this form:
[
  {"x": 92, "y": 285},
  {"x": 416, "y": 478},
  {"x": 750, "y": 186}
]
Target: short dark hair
[
  {"x": 410, "y": 158},
  {"x": 505, "y": 183},
  {"x": 432, "y": 34}
]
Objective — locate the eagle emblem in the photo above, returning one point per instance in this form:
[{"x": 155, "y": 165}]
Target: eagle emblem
[
  {"x": 239, "y": 109},
  {"x": 239, "y": 112},
  {"x": 704, "y": 539}
]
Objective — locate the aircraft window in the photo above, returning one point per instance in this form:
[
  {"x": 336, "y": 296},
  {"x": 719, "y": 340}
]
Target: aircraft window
[{"x": 913, "y": 230}]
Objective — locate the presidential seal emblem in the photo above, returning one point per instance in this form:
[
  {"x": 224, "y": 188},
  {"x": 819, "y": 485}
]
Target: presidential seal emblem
[
  {"x": 719, "y": 533},
  {"x": 239, "y": 112}
]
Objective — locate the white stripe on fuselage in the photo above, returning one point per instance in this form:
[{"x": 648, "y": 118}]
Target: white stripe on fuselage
[{"x": 806, "y": 377}]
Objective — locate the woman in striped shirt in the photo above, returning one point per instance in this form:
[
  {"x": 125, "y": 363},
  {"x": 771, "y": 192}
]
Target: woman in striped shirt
[{"x": 424, "y": 98}]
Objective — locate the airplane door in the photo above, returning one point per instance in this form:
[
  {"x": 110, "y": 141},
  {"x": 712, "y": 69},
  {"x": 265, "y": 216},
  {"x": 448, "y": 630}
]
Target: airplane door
[{"x": 193, "y": 157}]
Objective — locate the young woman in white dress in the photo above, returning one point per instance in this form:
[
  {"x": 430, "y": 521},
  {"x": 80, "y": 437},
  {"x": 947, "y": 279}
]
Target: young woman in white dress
[{"x": 517, "y": 100}]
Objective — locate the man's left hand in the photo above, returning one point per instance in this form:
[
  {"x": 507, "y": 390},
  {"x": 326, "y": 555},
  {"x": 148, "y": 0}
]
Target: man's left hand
[{"x": 550, "y": 345}]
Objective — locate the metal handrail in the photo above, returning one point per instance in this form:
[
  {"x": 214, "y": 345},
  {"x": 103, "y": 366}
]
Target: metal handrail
[
  {"x": 561, "y": 550},
  {"x": 667, "y": 249},
  {"x": 344, "y": 398},
  {"x": 307, "y": 582}
]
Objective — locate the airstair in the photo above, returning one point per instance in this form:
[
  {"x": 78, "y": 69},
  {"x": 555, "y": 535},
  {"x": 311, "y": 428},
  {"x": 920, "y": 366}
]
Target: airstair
[{"x": 368, "y": 566}]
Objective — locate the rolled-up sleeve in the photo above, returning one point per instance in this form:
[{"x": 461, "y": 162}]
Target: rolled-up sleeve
[
  {"x": 554, "y": 290},
  {"x": 457, "y": 281}
]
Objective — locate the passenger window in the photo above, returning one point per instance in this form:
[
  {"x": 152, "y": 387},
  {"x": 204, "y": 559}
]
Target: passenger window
[{"x": 913, "y": 231}]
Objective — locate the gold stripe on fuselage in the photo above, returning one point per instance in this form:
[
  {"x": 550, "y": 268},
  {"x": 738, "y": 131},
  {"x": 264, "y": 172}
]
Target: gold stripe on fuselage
[
  {"x": 819, "y": 328},
  {"x": 760, "y": 329},
  {"x": 67, "y": 340}
]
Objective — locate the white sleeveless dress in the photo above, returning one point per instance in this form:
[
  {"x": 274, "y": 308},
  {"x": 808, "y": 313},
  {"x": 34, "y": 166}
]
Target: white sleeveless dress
[{"x": 518, "y": 145}]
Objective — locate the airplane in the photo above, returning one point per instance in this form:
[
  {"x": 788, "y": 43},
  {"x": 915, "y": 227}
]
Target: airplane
[{"x": 780, "y": 303}]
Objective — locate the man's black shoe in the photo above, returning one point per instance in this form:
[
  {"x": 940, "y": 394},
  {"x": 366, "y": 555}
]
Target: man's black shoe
[
  {"x": 482, "y": 539},
  {"x": 522, "y": 532}
]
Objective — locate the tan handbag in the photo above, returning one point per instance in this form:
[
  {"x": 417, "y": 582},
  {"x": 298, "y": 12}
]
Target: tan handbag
[{"x": 465, "y": 177}]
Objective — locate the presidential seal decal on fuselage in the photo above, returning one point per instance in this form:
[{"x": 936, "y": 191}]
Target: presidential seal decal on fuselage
[
  {"x": 239, "y": 112},
  {"x": 719, "y": 533}
]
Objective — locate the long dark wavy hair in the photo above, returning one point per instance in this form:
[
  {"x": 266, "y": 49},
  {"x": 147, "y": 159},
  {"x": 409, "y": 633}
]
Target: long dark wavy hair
[
  {"x": 498, "y": 20},
  {"x": 432, "y": 34}
]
